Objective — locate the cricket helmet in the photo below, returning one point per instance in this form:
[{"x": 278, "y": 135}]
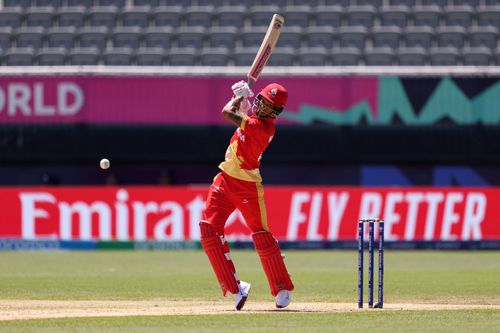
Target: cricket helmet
[
  {"x": 276, "y": 94},
  {"x": 276, "y": 97}
]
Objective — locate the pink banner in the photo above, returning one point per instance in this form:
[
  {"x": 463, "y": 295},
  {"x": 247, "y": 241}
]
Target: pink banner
[
  {"x": 294, "y": 213},
  {"x": 159, "y": 100}
]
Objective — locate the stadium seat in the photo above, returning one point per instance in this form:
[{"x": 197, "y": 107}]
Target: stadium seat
[
  {"x": 419, "y": 36},
  {"x": 137, "y": 16},
  {"x": 476, "y": 56},
  {"x": 231, "y": 16},
  {"x": 11, "y": 17},
  {"x": 262, "y": 15},
  {"x": 411, "y": 56},
  {"x": 379, "y": 56},
  {"x": 71, "y": 16},
  {"x": 61, "y": 37},
  {"x": 472, "y": 3},
  {"x": 150, "y": 3},
  {"x": 279, "y": 3},
  {"x": 328, "y": 16},
  {"x": 39, "y": 16},
  {"x": 51, "y": 56},
  {"x": 182, "y": 3},
  {"x": 218, "y": 56},
  {"x": 128, "y": 36},
  {"x": 84, "y": 56},
  {"x": 182, "y": 56},
  {"x": 93, "y": 37},
  {"x": 222, "y": 37},
  {"x": 17, "y": 3},
  {"x": 85, "y": 3},
  {"x": 43, "y": 3},
  {"x": 312, "y": 56},
  {"x": 450, "y": 36},
  {"x": 246, "y": 3},
  {"x": 352, "y": 36},
  {"x": 215, "y": 3},
  {"x": 489, "y": 15},
  {"x": 483, "y": 36},
  {"x": 200, "y": 16},
  {"x": 409, "y": 3},
  {"x": 291, "y": 37},
  {"x": 158, "y": 36},
  {"x": 190, "y": 36},
  {"x": 319, "y": 36},
  {"x": 345, "y": 56},
  {"x": 428, "y": 15},
  {"x": 297, "y": 15},
  {"x": 29, "y": 37},
  {"x": 311, "y": 3},
  {"x": 440, "y": 3},
  {"x": 375, "y": 3},
  {"x": 341, "y": 3},
  {"x": 19, "y": 56},
  {"x": 386, "y": 36},
  {"x": 252, "y": 36},
  {"x": 149, "y": 56},
  {"x": 459, "y": 15},
  {"x": 102, "y": 16},
  {"x": 243, "y": 56},
  {"x": 117, "y": 3},
  {"x": 394, "y": 15},
  {"x": 282, "y": 56},
  {"x": 120, "y": 56},
  {"x": 167, "y": 16},
  {"x": 6, "y": 34},
  {"x": 444, "y": 56},
  {"x": 361, "y": 15}
]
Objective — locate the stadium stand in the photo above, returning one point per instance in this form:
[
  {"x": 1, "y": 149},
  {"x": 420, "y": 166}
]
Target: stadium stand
[
  {"x": 61, "y": 37},
  {"x": 150, "y": 56},
  {"x": 392, "y": 32},
  {"x": 84, "y": 56},
  {"x": 54, "y": 56}
]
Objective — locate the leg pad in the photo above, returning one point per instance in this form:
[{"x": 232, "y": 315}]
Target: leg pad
[
  {"x": 213, "y": 245},
  {"x": 270, "y": 255}
]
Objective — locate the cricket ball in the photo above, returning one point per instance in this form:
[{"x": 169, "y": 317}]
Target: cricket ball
[{"x": 104, "y": 163}]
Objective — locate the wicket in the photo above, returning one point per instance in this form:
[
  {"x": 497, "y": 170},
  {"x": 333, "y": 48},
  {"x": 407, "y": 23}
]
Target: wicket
[{"x": 371, "y": 248}]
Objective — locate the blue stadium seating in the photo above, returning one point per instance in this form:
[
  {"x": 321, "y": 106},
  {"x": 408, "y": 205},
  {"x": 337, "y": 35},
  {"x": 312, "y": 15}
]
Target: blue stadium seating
[{"x": 227, "y": 32}]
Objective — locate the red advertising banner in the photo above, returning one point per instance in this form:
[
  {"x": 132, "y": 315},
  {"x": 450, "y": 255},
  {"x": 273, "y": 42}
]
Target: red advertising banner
[{"x": 294, "y": 213}]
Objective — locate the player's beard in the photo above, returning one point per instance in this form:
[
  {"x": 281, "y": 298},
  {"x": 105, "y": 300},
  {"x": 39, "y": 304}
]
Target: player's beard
[{"x": 257, "y": 109}]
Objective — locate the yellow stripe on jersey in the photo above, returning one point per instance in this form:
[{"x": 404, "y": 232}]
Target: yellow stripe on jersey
[
  {"x": 244, "y": 121},
  {"x": 232, "y": 166},
  {"x": 262, "y": 206}
]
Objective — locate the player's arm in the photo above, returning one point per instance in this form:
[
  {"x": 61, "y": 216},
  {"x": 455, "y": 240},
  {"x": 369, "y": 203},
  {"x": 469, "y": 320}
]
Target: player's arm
[{"x": 230, "y": 111}]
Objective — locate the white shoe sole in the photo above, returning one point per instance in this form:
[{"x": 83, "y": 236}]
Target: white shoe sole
[
  {"x": 285, "y": 301},
  {"x": 243, "y": 299}
]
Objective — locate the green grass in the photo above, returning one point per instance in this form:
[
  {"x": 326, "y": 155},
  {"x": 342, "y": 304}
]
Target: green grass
[
  {"x": 411, "y": 321},
  {"x": 320, "y": 276}
]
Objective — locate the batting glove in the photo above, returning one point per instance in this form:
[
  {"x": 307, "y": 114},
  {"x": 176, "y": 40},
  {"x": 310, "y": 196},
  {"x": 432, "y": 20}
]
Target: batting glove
[{"x": 242, "y": 88}]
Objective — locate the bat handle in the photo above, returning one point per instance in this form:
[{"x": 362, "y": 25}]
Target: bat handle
[{"x": 250, "y": 81}]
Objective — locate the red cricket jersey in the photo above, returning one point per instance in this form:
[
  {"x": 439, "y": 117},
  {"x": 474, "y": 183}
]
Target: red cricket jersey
[{"x": 246, "y": 147}]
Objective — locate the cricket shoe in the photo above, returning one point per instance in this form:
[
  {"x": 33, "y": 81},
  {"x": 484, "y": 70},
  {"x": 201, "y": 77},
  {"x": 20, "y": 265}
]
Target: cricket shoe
[
  {"x": 241, "y": 297},
  {"x": 283, "y": 299}
]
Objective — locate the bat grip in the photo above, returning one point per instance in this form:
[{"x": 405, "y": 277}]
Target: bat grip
[{"x": 250, "y": 81}]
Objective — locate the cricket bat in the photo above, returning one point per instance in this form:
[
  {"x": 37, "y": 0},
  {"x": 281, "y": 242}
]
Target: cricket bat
[{"x": 266, "y": 48}]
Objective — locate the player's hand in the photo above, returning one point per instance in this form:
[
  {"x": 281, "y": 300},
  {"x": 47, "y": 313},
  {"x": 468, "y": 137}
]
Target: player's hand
[
  {"x": 242, "y": 89},
  {"x": 235, "y": 104}
]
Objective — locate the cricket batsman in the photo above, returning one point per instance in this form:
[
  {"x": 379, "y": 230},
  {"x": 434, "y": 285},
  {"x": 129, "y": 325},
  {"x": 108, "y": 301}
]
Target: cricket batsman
[{"x": 239, "y": 185}]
